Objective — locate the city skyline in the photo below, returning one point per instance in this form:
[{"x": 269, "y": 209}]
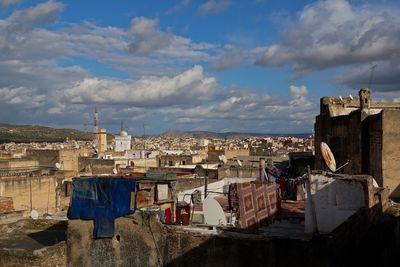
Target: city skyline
[{"x": 217, "y": 65}]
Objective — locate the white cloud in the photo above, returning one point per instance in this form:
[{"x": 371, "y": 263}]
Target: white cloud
[
  {"x": 7, "y": 3},
  {"x": 214, "y": 6},
  {"x": 190, "y": 86},
  {"x": 333, "y": 33},
  {"x": 43, "y": 13},
  {"x": 246, "y": 106},
  {"x": 23, "y": 96},
  {"x": 179, "y": 7},
  {"x": 232, "y": 58}
]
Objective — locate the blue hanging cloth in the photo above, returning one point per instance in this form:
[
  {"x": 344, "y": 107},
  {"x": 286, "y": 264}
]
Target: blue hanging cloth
[{"x": 101, "y": 200}]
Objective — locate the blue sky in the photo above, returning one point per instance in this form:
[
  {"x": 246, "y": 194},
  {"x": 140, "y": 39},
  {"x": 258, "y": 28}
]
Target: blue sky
[{"x": 218, "y": 65}]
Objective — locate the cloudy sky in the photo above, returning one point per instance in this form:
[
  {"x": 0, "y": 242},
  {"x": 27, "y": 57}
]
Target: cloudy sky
[{"x": 217, "y": 65}]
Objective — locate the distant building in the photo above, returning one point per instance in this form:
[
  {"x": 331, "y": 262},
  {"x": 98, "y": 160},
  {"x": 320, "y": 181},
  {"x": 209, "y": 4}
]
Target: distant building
[
  {"x": 122, "y": 142},
  {"x": 364, "y": 132},
  {"x": 215, "y": 153}
]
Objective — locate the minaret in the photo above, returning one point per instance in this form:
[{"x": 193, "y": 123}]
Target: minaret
[{"x": 95, "y": 124}]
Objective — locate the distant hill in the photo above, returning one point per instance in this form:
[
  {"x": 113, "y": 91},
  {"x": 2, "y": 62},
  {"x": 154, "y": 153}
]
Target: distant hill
[
  {"x": 206, "y": 134},
  {"x": 35, "y": 133}
]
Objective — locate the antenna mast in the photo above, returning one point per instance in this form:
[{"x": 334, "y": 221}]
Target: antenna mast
[{"x": 371, "y": 75}]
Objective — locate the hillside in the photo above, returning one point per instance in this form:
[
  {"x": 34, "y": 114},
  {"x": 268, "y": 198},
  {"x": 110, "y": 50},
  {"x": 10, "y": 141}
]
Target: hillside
[
  {"x": 35, "y": 133},
  {"x": 206, "y": 134}
]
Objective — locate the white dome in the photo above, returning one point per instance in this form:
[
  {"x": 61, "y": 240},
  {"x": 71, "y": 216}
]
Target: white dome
[{"x": 123, "y": 133}]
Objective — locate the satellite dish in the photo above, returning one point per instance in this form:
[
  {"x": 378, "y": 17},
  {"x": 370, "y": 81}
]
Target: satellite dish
[
  {"x": 58, "y": 165},
  {"x": 341, "y": 98},
  {"x": 351, "y": 97},
  {"x": 220, "y": 157},
  {"x": 213, "y": 212},
  {"x": 34, "y": 214},
  {"x": 374, "y": 183},
  {"x": 239, "y": 163},
  {"x": 61, "y": 146},
  {"x": 115, "y": 171},
  {"x": 328, "y": 156},
  {"x": 224, "y": 160}
]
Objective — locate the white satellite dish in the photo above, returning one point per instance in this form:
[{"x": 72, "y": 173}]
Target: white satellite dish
[
  {"x": 57, "y": 165},
  {"x": 351, "y": 97},
  {"x": 341, "y": 98},
  {"x": 213, "y": 212},
  {"x": 220, "y": 157},
  {"x": 115, "y": 171},
  {"x": 224, "y": 160},
  {"x": 328, "y": 156},
  {"x": 239, "y": 163},
  {"x": 61, "y": 146},
  {"x": 34, "y": 214},
  {"x": 374, "y": 183}
]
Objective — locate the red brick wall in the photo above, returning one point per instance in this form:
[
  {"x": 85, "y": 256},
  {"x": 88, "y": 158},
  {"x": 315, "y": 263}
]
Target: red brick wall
[{"x": 6, "y": 204}]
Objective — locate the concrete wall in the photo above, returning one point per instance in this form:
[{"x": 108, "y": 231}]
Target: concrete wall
[
  {"x": 391, "y": 151},
  {"x": 335, "y": 199}
]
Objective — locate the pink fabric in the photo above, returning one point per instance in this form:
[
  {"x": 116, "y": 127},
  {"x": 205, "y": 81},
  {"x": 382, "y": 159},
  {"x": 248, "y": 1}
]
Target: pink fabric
[{"x": 257, "y": 203}]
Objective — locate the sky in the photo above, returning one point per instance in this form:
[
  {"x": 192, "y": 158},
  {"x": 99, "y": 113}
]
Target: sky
[{"x": 213, "y": 65}]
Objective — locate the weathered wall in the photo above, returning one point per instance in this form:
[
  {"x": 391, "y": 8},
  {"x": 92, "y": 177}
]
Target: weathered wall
[
  {"x": 372, "y": 147},
  {"x": 46, "y": 157},
  {"x": 357, "y": 243},
  {"x": 335, "y": 199},
  {"x": 43, "y": 190},
  {"x": 232, "y": 153},
  {"x": 391, "y": 151},
  {"x": 175, "y": 160},
  {"x": 96, "y": 166},
  {"x": 237, "y": 171},
  {"x": 18, "y": 163}
]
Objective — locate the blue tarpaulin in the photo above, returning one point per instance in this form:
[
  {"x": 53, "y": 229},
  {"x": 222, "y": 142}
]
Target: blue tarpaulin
[{"x": 101, "y": 200}]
